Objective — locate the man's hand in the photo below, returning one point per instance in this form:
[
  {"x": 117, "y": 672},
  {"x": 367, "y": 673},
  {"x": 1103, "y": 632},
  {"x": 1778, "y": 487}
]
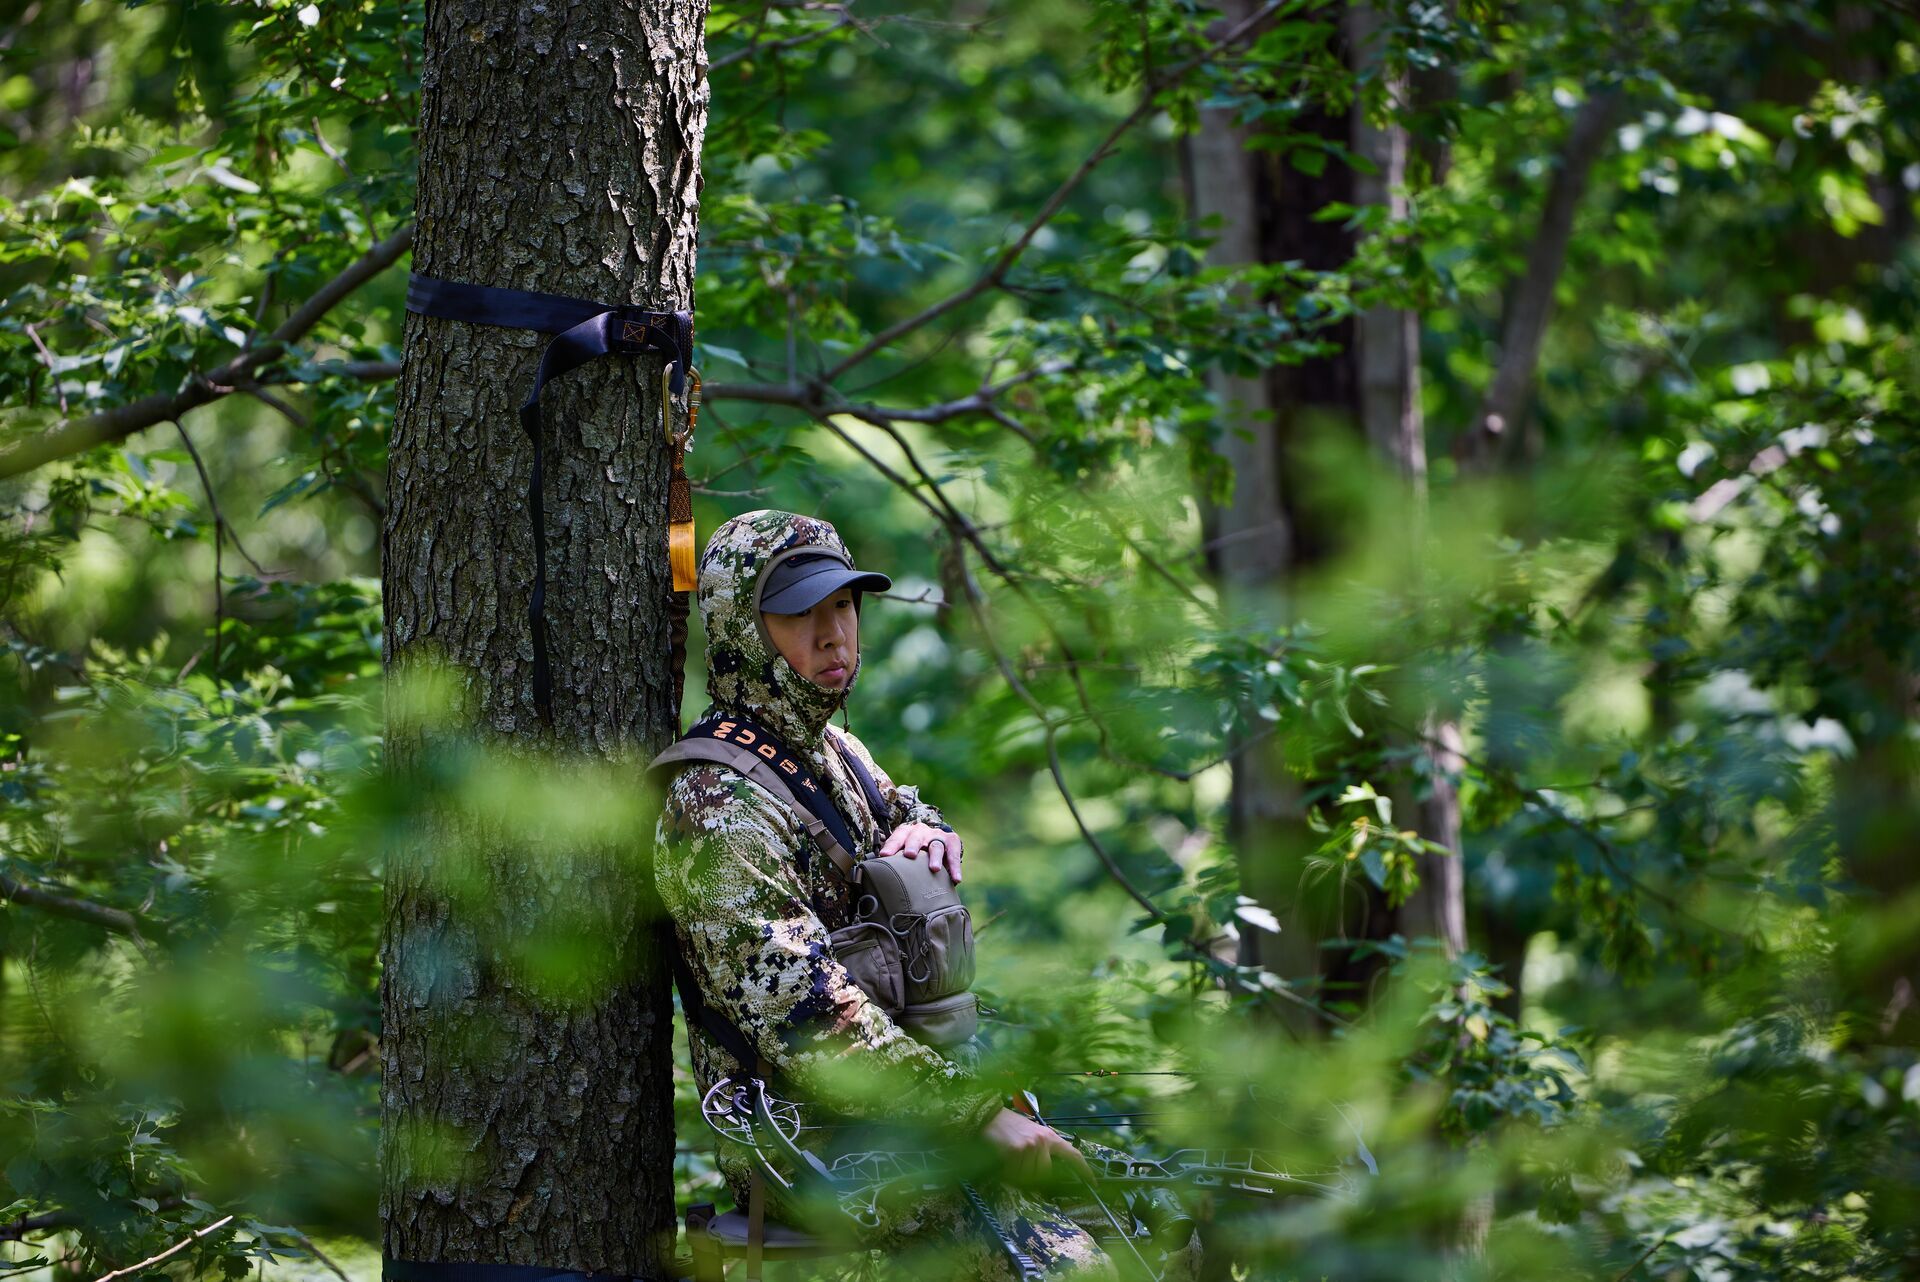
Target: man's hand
[
  {"x": 1029, "y": 1150},
  {"x": 942, "y": 847}
]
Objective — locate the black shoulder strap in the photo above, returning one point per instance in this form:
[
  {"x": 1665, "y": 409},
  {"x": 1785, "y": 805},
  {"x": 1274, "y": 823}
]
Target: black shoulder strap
[
  {"x": 876, "y": 804},
  {"x": 750, "y": 748}
]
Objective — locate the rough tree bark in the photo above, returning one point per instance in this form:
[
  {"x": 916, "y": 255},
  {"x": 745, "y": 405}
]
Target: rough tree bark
[{"x": 527, "y": 1119}]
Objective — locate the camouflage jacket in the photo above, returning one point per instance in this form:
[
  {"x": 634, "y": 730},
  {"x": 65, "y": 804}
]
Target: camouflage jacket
[{"x": 753, "y": 899}]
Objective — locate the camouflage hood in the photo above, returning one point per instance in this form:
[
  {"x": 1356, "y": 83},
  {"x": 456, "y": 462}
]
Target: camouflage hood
[{"x": 745, "y": 673}]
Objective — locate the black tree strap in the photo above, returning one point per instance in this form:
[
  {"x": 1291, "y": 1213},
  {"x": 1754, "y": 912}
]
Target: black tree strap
[
  {"x": 582, "y": 331},
  {"x": 392, "y": 1270}
]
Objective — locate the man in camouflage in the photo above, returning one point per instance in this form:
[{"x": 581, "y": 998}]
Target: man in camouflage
[{"x": 753, "y": 901}]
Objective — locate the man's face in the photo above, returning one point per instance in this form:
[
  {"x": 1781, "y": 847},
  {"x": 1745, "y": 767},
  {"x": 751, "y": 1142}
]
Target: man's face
[{"x": 822, "y": 643}]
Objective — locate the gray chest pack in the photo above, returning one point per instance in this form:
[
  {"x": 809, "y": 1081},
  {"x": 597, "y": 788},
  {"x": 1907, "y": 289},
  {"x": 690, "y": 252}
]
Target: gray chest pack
[{"x": 910, "y": 948}]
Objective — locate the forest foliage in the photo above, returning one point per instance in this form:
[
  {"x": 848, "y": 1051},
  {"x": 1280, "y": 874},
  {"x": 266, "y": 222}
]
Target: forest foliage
[{"x": 952, "y": 297}]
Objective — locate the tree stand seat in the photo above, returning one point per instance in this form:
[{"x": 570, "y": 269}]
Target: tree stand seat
[{"x": 714, "y": 1239}]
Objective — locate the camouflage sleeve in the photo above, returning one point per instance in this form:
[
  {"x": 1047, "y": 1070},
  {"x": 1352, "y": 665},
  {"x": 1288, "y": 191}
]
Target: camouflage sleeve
[
  {"x": 728, "y": 874},
  {"x": 902, "y": 799}
]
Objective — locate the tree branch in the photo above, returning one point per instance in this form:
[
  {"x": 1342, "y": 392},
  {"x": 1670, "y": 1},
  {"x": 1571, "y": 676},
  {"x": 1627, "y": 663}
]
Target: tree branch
[
  {"x": 117, "y": 920},
  {"x": 122, "y": 421},
  {"x": 777, "y": 46},
  {"x": 1086, "y": 833},
  {"x": 814, "y": 400},
  {"x": 977, "y": 606},
  {"x": 1530, "y": 306},
  {"x": 221, "y": 530},
  {"x": 17, "y": 1230}
]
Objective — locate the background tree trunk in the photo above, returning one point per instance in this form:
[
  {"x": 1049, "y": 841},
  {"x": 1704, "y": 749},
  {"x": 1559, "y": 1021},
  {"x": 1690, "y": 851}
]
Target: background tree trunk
[
  {"x": 526, "y": 1112},
  {"x": 1250, "y": 543},
  {"x": 1269, "y": 531},
  {"x": 1387, "y": 353}
]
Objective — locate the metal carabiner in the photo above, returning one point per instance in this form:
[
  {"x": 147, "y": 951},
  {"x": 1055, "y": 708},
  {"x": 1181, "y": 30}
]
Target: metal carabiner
[{"x": 681, "y": 441}]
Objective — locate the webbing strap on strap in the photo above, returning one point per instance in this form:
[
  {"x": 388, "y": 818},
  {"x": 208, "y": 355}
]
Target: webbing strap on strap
[
  {"x": 393, "y": 1270},
  {"x": 582, "y": 331}
]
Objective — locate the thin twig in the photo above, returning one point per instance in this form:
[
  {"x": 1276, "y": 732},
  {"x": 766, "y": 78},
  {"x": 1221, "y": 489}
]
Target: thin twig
[
  {"x": 1005, "y": 260},
  {"x": 730, "y": 494},
  {"x": 52, "y": 1221},
  {"x": 52, "y": 373},
  {"x": 959, "y": 526},
  {"x": 348, "y": 477},
  {"x": 813, "y": 400},
  {"x": 977, "y": 606},
  {"x": 1645, "y": 1255},
  {"x": 175, "y": 1249},
  {"x": 779, "y": 46},
  {"x": 260, "y": 309},
  {"x": 318, "y": 1254},
  {"x": 221, "y": 529},
  {"x": 366, "y": 210},
  {"x": 268, "y": 399},
  {"x": 1153, "y": 563},
  {"x": 17, "y": 1230},
  {"x": 912, "y": 491},
  {"x": 1086, "y": 833}
]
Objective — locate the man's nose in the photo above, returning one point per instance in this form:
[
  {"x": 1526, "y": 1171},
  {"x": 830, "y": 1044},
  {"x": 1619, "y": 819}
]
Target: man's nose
[{"x": 834, "y": 633}]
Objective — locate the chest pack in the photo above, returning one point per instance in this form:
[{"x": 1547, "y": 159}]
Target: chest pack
[{"x": 910, "y": 947}]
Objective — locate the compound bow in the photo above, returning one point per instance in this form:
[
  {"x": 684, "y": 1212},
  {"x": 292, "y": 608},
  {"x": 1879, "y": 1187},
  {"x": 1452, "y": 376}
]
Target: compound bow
[{"x": 746, "y": 1112}]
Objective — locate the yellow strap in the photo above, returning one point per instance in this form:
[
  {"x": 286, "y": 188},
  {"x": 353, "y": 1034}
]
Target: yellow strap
[{"x": 680, "y": 534}]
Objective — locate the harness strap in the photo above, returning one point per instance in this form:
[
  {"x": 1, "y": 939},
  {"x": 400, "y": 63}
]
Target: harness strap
[
  {"x": 582, "y": 331},
  {"x": 752, "y": 750},
  {"x": 876, "y": 805},
  {"x": 723, "y": 1030}
]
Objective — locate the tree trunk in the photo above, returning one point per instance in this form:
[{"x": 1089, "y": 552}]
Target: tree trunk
[
  {"x": 1501, "y": 420},
  {"x": 1271, "y": 528},
  {"x": 1274, "y": 527},
  {"x": 1251, "y": 548},
  {"x": 526, "y": 1108},
  {"x": 1387, "y": 353}
]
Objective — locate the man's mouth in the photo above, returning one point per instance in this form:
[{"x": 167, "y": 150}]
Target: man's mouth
[{"x": 837, "y": 672}]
